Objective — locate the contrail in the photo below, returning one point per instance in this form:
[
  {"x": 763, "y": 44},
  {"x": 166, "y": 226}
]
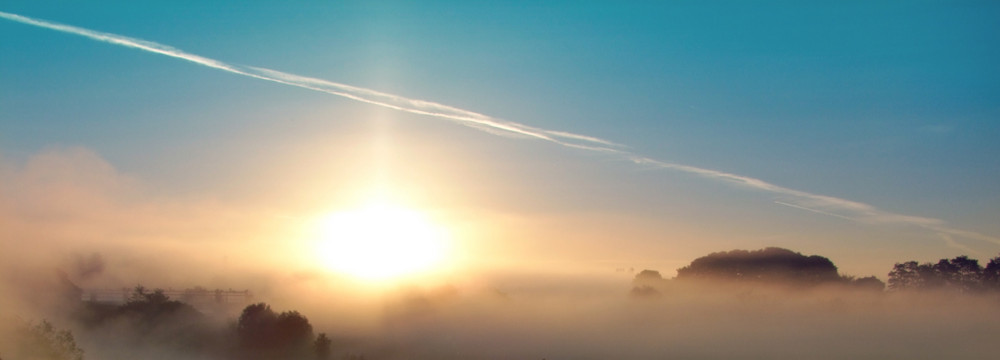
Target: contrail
[
  {"x": 391, "y": 101},
  {"x": 820, "y": 204}
]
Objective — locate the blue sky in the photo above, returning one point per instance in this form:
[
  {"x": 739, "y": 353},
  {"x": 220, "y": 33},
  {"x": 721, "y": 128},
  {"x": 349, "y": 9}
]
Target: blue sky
[{"x": 893, "y": 104}]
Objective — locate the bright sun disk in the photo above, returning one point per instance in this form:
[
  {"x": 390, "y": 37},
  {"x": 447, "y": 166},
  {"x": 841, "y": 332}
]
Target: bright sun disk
[{"x": 380, "y": 241}]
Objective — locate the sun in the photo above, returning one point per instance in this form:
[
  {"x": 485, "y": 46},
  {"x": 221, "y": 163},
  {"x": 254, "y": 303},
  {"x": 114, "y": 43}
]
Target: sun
[{"x": 380, "y": 241}]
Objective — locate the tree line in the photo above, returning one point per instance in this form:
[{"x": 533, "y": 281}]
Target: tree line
[
  {"x": 961, "y": 274},
  {"x": 150, "y": 322},
  {"x": 785, "y": 267}
]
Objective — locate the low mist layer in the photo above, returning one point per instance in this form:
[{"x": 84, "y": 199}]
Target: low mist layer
[
  {"x": 553, "y": 317},
  {"x": 73, "y": 224}
]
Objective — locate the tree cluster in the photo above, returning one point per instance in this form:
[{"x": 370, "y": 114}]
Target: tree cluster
[
  {"x": 772, "y": 264},
  {"x": 781, "y": 266},
  {"x": 147, "y": 317},
  {"x": 151, "y": 317},
  {"x": 43, "y": 341},
  {"x": 265, "y": 334},
  {"x": 961, "y": 273}
]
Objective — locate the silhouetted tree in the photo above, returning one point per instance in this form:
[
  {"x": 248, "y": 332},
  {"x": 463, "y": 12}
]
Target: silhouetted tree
[
  {"x": 322, "y": 347},
  {"x": 141, "y": 295},
  {"x": 645, "y": 284},
  {"x": 150, "y": 316},
  {"x": 43, "y": 341},
  {"x": 961, "y": 273},
  {"x": 264, "y": 334},
  {"x": 931, "y": 276},
  {"x": 154, "y": 308},
  {"x": 991, "y": 274},
  {"x": 648, "y": 275},
  {"x": 965, "y": 274},
  {"x": 767, "y": 265},
  {"x": 648, "y": 278},
  {"x": 905, "y": 276},
  {"x": 292, "y": 329},
  {"x": 255, "y": 325}
]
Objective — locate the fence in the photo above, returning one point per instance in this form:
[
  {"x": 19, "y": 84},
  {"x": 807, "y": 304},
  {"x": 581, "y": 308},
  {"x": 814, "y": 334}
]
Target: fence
[{"x": 194, "y": 296}]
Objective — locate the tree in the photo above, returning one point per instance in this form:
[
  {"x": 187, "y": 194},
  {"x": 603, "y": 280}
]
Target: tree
[
  {"x": 255, "y": 325},
  {"x": 904, "y": 276},
  {"x": 772, "y": 264},
  {"x": 151, "y": 309},
  {"x": 141, "y": 295},
  {"x": 43, "y": 341},
  {"x": 961, "y": 273},
  {"x": 645, "y": 284},
  {"x": 991, "y": 274},
  {"x": 648, "y": 279},
  {"x": 647, "y": 276},
  {"x": 148, "y": 317},
  {"x": 966, "y": 274},
  {"x": 322, "y": 347},
  {"x": 292, "y": 329},
  {"x": 262, "y": 333}
]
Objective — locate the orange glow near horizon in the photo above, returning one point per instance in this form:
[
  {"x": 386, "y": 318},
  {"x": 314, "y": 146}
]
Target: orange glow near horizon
[{"x": 381, "y": 241}]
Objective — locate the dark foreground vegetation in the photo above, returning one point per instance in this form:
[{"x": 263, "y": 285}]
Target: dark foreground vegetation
[
  {"x": 151, "y": 325},
  {"x": 40, "y": 340}
]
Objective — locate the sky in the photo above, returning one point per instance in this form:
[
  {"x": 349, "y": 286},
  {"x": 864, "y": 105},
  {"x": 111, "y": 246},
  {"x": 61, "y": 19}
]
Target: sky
[{"x": 599, "y": 135}]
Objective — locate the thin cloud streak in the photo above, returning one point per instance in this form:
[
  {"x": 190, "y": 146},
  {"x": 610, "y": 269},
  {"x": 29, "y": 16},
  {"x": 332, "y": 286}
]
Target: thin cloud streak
[
  {"x": 391, "y": 101},
  {"x": 821, "y": 204},
  {"x": 813, "y": 210}
]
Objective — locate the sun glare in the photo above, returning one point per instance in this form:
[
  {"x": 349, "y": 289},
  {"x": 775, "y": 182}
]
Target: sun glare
[{"x": 381, "y": 241}]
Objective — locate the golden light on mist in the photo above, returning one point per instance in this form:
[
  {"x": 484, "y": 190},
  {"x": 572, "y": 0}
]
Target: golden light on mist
[{"x": 381, "y": 241}]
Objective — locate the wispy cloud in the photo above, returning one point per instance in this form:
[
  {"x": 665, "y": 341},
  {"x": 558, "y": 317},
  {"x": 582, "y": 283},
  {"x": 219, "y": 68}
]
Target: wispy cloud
[{"x": 821, "y": 204}]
